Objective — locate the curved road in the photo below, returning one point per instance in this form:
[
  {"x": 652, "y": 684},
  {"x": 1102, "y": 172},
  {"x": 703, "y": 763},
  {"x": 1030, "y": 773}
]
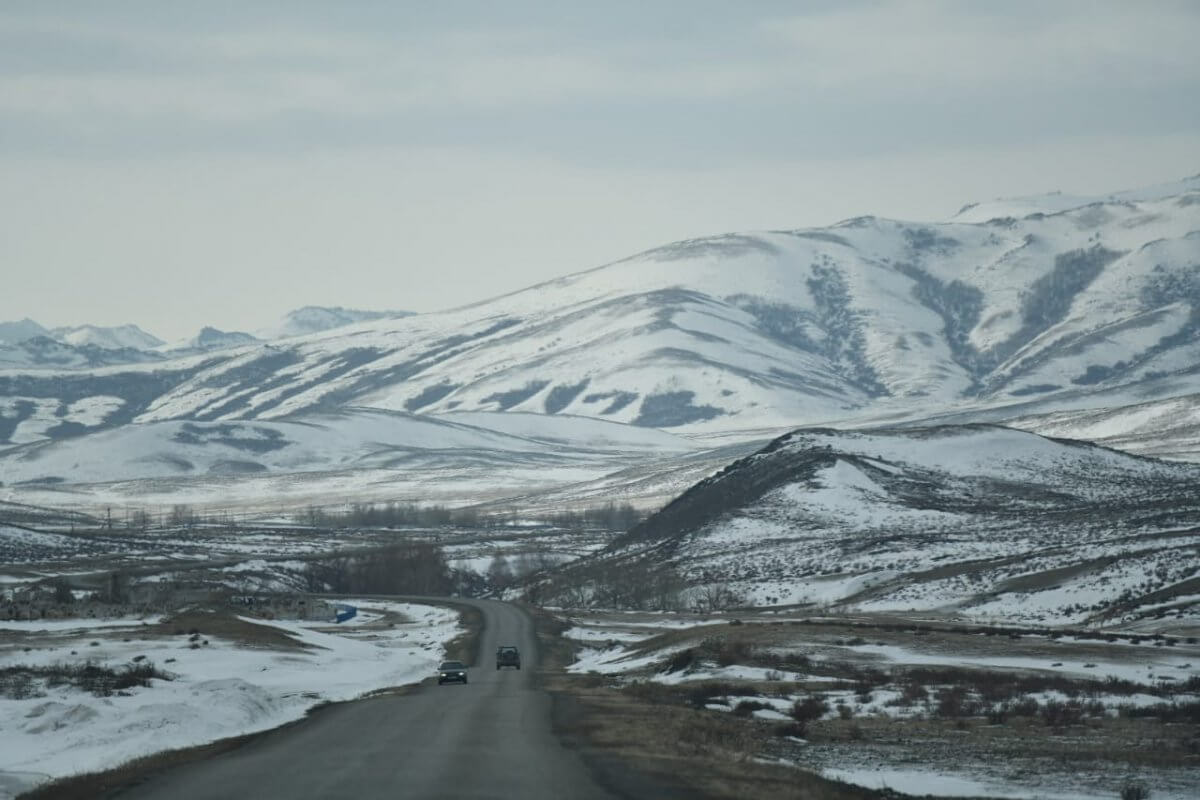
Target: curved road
[{"x": 489, "y": 739}]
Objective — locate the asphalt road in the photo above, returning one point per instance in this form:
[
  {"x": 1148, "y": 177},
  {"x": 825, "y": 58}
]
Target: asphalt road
[{"x": 488, "y": 739}]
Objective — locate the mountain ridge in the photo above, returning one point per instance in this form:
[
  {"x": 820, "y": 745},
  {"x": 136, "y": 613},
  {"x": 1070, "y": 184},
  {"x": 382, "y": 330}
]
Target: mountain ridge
[{"x": 770, "y": 329}]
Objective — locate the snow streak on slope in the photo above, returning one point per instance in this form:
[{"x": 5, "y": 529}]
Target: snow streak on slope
[{"x": 974, "y": 520}]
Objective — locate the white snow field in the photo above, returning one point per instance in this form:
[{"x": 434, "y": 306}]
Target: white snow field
[{"x": 219, "y": 689}]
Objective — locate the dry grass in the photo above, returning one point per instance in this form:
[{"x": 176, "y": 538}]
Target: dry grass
[
  {"x": 224, "y": 625},
  {"x": 710, "y": 753},
  {"x": 465, "y": 646}
]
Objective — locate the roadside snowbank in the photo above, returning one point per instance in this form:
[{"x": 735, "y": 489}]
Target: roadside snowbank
[{"x": 219, "y": 690}]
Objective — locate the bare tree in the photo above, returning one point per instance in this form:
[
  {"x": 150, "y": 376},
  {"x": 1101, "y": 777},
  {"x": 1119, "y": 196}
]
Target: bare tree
[{"x": 499, "y": 573}]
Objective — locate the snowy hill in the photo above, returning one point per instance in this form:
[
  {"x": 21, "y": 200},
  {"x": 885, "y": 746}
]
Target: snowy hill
[
  {"x": 767, "y": 330},
  {"x": 975, "y": 521},
  {"x": 352, "y": 439},
  {"x": 111, "y": 338},
  {"x": 45, "y": 353},
  {"x": 1057, "y": 202},
  {"x": 315, "y": 319},
  {"x": 1167, "y": 428}
]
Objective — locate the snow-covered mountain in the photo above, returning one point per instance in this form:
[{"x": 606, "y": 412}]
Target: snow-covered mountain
[
  {"x": 20, "y": 330},
  {"x": 26, "y": 344},
  {"x": 315, "y": 319},
  {"x": 210, "y": 338},
  {"x": 764, "y": 330},
  {"x": 977, "y": 521},
  {"x": 46, "y": 353},
  {"x": 112, "y": 338}
]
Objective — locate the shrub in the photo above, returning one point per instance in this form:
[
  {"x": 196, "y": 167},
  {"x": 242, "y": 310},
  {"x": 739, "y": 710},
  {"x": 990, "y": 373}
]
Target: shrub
[
  {"x": 89, "y": 677},
  {"x": 702, "y": 694},
  {"x": 17, "y": 685},
  {"x": 747, "y": 708},
  {"x": 912, "y": 692},
  {"x": 680, "y": 661},
  {"x": 809, "y": 709},
  {"x": 1135, "y": 791},
  {"x": 1025, "y": 707},
  {"x": 730, "y": 652},
  {"x": 797, "y": 729},
  {"x": 954, "y": 702},
  {"x": 1058, "y": 714}
]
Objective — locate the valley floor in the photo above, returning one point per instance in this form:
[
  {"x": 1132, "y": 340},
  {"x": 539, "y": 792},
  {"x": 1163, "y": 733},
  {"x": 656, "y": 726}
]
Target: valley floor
[{"x": 915, "y": 706}]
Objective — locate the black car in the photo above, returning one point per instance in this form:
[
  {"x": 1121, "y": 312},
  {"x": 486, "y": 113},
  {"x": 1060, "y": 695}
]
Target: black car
[
  {"x": 451, "y": 671},
  {"x": 508, "y": 656}
]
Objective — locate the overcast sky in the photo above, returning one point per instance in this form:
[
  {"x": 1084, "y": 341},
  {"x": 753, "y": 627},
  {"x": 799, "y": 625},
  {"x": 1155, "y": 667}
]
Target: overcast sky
[{"x": 176, "y": 165}]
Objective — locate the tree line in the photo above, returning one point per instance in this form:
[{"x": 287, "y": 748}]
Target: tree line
[
  {"x": 611, "y": 516},
  {"x": 401, "y": 568}
]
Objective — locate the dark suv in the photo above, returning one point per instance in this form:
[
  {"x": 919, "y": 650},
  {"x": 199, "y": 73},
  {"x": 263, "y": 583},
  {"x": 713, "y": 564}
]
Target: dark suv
[
  {"x": 451, "y": 671},
  {"x": 508, "y": 656}
]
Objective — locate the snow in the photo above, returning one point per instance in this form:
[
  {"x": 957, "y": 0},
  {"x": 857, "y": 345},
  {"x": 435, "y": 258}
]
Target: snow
[
  {"x": 926, "y": 782},
  {"x": 1058, "y": 202},
  {"x": 613, "y": 660},
  {"x": 113, "y": 338},
  {"x": 219, "y": 690},
  {"x": 1138, "y": 671},
  {"x": 315, "y": 319},
  {"x": 735, "y": 332},
  {"x": 91, "y": 411},
  {"x": 79, "y": 624},
  {"x": 592, "y": 634},
  {"x": 354, "y": 439}
]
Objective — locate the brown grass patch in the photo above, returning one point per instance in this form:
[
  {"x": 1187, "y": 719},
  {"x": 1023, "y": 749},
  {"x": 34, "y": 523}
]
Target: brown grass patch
[
  {"x": 465, "y": 646},
  {"x": 703, "y": 754},
  {"x": 225, "y": 625}
]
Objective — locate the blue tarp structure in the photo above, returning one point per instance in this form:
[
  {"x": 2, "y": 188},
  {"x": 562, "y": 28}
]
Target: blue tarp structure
[{"x": 344, "y": 611}]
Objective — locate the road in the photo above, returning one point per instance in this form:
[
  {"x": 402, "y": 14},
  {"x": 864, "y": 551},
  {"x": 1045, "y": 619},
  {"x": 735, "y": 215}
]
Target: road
[{"x": 488, "y": 739}]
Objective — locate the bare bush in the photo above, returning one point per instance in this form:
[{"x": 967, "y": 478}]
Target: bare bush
[
  {"x": 26, "y": 681},
  {"x": 1135, "y": 791},
  {"x": 809, "y": 709}
]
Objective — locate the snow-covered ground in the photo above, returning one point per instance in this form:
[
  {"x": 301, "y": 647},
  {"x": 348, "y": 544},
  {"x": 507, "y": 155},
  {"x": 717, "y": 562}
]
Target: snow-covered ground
[
  {"x": 219, "y": 689},
  {"x": 971, "y": 521},
  {"x": 824, "y": 658}
]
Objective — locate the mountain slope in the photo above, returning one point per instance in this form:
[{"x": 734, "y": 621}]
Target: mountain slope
[
  {"x": 349, "y": 439},
  {"x": 762, "y": 330},
  {"x": 975, "y": 521}
]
